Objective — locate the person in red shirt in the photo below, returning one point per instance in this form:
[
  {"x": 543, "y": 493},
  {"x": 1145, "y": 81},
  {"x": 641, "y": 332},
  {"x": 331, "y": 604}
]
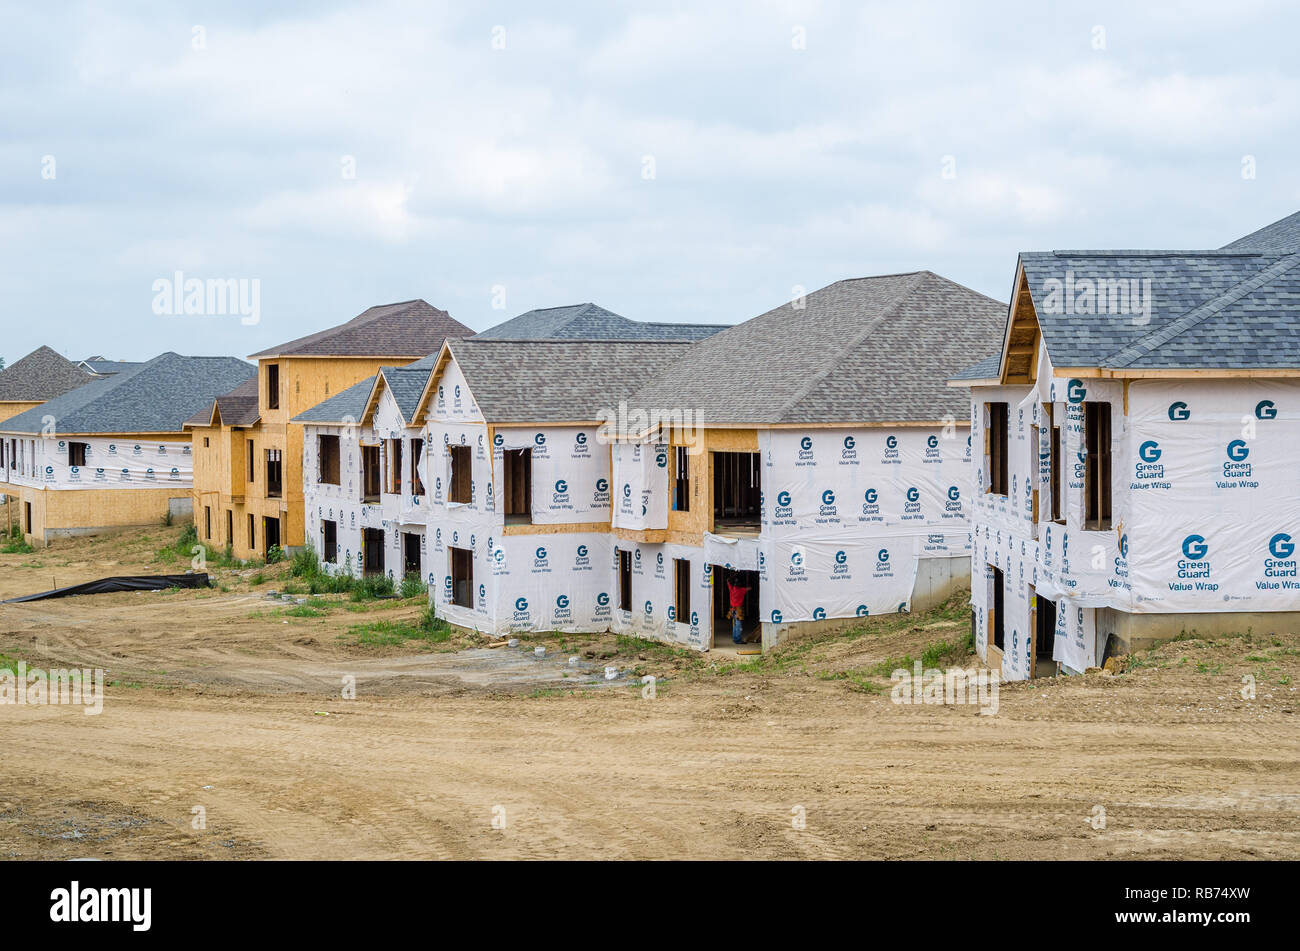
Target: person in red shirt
[{"x": 736, "y": 594}]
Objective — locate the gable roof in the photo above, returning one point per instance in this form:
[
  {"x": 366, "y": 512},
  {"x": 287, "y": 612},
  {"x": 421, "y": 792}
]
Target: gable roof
[
  {"x": 345, "y": 406},
  {"x": 552, "y": 381},
  {"x": 591, "y": 322},
  {"x": 403, "y": 329},
  {"x": 1207, "y": 309},
  {"x": 41, "y": 375},
  {"x": 1283, "y": 234},
  {"x": 406, "y": 384},
  {"x": 864, "y": 350},
  {"x": 239, "y": 407},
  {"x": 155, "y": 397}
]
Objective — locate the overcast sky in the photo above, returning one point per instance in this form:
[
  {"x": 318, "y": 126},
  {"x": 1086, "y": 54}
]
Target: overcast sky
[{"x": 681, "y": 163}]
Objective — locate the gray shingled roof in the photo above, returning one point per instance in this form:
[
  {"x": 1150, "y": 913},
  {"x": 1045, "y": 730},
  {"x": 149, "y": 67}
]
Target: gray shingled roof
[
  {"x": 558, "y": 381},
  {"x": 239, "y": 407},
  {"x": 404, "y": 329},
  {"x": 986, "y": 369},
  {"x": 591, "y": 322},
  {"x": 154, "y": 397},
  {"x": 41, "y": 375},
  {"x": 107, "y": 367},
  {"x": 1282, "y": 235},
  {"x": 1208, "y": 309},
  {"x": 406, "y": 384},
  {"x": 872, "y": 349}
]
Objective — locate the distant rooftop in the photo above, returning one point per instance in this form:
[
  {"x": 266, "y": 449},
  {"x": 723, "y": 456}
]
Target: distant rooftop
[
  {"x": 410, "y": 328},
  {"x": 154, "y": 397},
  {"x": 592, "y": 322},
  {"x": 41, "y": 375}
]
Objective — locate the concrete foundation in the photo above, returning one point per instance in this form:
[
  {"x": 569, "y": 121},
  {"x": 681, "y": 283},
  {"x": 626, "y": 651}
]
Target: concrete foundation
[{"x": 1136, "y": 632}]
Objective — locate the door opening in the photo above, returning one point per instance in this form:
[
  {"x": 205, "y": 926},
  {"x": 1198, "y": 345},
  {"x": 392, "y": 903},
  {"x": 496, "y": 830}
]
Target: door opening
[{"x": 726, "y": 582}]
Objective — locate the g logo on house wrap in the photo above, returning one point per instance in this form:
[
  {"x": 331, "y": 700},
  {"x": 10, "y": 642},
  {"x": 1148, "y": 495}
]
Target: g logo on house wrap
[
  {"x": 498, "y": 440},
  {"x": 446, "y": 584},
  {"x": 649, "y": 609},
  {"x": 1195, "y": 548},
  {"x": 891, "y": 442},
  {"x": 1280, "y": 546},
  {"x": 1123, "y": 547},
  {"x": 776, "y": 616},
  {"x": 627, "y": 490},
  {"x": 695, "y": 618},
  {"x": 1075, "y": 391},
  {"x": 580, "y": 439},
  {"x": 499, "y": 556},
  {"x": 1178, "y": 411},
  {"x": 954, "y": 493},
  {"x": 1149, "y": 451},
  {"x": 805, "y": 443},
  {"x": 431, "y": 579},
  {"x": 841, "y": 557},
  {"x": 1238, "y": 450},
  {"x": 561, "y": 487},
  {"x": 661, "y": 458},
  {"x": 932, "y": 441},
  {"x": 602, "y": 599},
  {"x": 783, "y": 498},
  {"x": 562, "y": 601},
  {"x": 1265, "y": 409},
  {"x": 540, "y": 553},
  {"x": 849, "y": 442},
  {"x": 828, "y": 497},
  {"x": 871, "y": 495},
  {"x": 672, "y": 612},
  {"x": 913, "y": 494},
  {"x": 602, "y": 485},
  {"x": 861, "y": 610},
  {"x": 521, "y": 604},
  {"x": 539, "y": 439},
  {"x": 582, "y": 551},
  {"x": 796, "y": 558},
  {"x": 819, "y": 614},
  {"x": 883, "y": 555},
  {"x": 482, "y": 591}
]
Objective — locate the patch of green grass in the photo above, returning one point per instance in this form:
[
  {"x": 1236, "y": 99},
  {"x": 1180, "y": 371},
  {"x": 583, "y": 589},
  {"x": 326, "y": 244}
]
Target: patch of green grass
[
  {"x": 312, "y": 607},
  {"x": 413, "y": 587},
  {"x": 9, "y": 663},
  {"x": 15, "y": 545},
  {"x": 371, "y": 587},
  {"x": 429, "y": 628}
]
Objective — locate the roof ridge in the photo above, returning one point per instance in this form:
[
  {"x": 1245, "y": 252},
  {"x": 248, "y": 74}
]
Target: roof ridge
[
  {"x": 853, "y": 341},
  {"x": 1152, "y": 341}
]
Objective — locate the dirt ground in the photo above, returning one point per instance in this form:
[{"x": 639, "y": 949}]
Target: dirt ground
[{"x": 222, "y": 700}]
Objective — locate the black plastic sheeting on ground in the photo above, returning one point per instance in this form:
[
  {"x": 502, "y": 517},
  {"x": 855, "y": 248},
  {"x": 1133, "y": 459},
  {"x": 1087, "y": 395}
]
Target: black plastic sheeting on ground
[{"x": 122, "y": 583}]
